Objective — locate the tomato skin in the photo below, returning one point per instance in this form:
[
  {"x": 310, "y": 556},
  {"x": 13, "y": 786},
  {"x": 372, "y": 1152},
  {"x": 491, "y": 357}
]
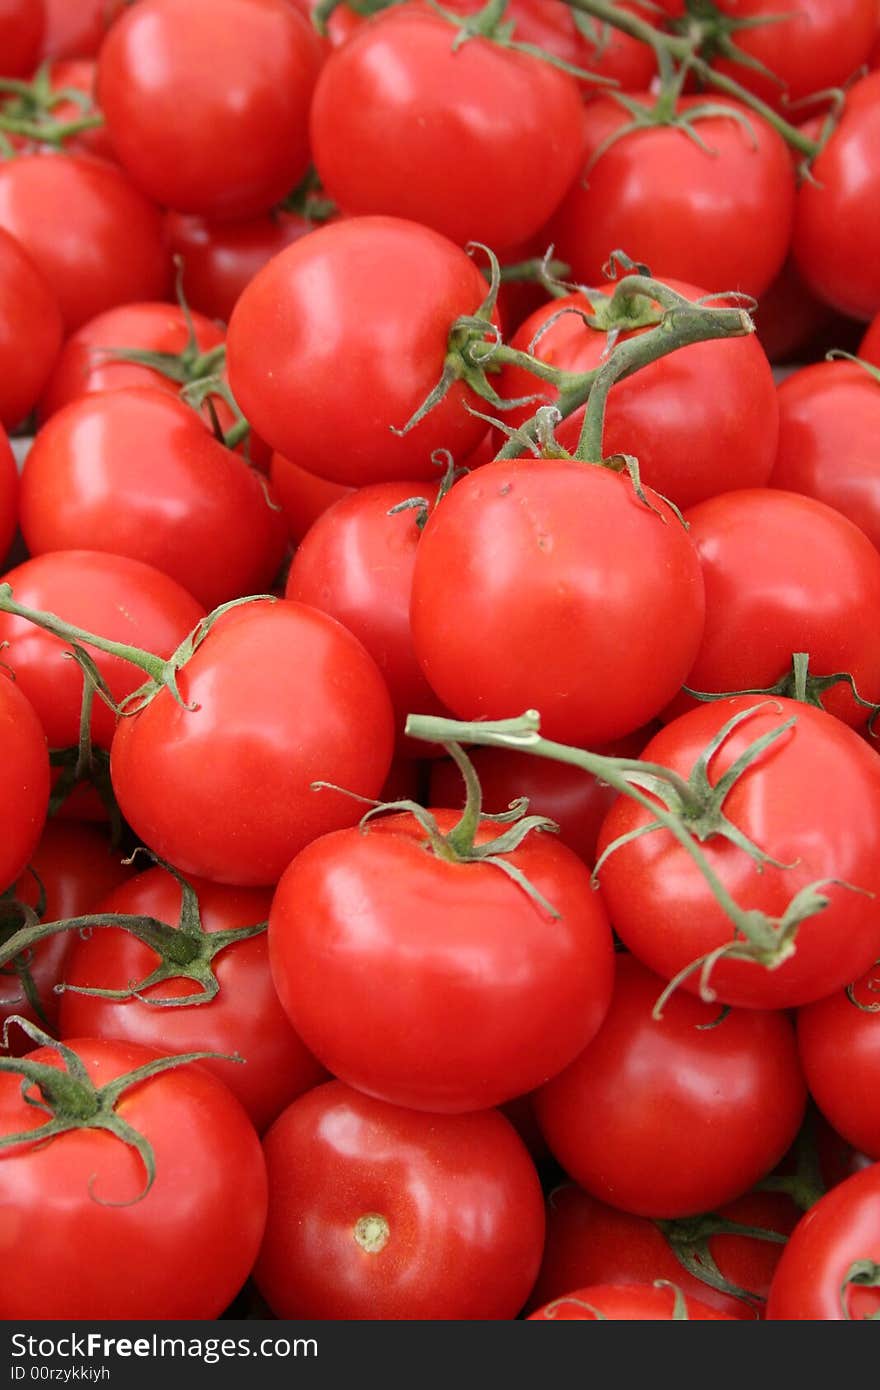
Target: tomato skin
[
  {"x": 623, "y": 1303},
  {"x": 134, "y": 472},
  {"x": 244, "y": 1017},
  {"x": 700, "y": 421},
  {"x": 459, "y": 1193},
  {"x": 844, "y": 1226},
  {"x": 485, "y": 138},
  {"x": 829, "y": 414},
  {"x": 21, "y": 31},
  {"x": 766, "y": 558},
  {"x": 303, "y": 495},
  {"x": 30, "y": 331},
  {"x": 109, "y": 595},
  {"x": 668, "y": 203},
  {"x": 248, "y": 67},
  {"x": 77, "y": 30},
  {"x": 210, "y": 1177},
  {"x": 25, "y": 761},
  {"x": 285, "y": 696},
  {"x": 483, "y": 995},
  {"x": 790, "y": 320},
  {"x": 663, "y": 1119},
  {"x": 837, "y": 209},
  {"x": 839, "y": 1044},
  {"x": 550, "y": 558},
  {"x": 812, "y": 801},
  {"x": 95, "y": 238},
  {"x": 381, "y": 295},
  {"x": 8, "y": 494}
]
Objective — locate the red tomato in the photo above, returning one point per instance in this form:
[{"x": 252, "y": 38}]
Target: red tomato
[
  {"x": 829, "y": 417},
  {"x": 379, "y": 295},
  {"x": 484, "y": 995},
  {"x": 700, "y": 421},
  {"x": 80, "y": 1192},
  {"x": 248, "y": 68},
  {"x": 837, "y": 209},
  {"x": 356, "y": 563},
  {"x": 134, "y": 472},
  {"x": 869, "y": 351},
  {"x": 839, "y": 1042},
  {"x": 77, "y": 29},
  {"x": 677, "y": 207},
  {"x": 303, "y": 496},
  {"x": 671, "y": 1117},
  {"x": 661, "y": 905},
  {"x": 378, "y": 1212},
  {"x": 95, "y": 238},
  {"x": 25, "y": 762},
  {"x": 21, "y": 31},
  {"x": 30, "y": 331},
  {"x": 244, "y": 1017},
  {"x": 109, "y": 595},
  {"x": 841, "y": 1229},
  {"x": 767, "y": 557},
  {"x": 486, "y": 139},
  {"x": 625, "y": 1303},
  {"x": 790, "y": 319},
  {"x": 550, "y": 559},
  {"x": 283, "y": 696},
  {"x": 8, "y": 494}
]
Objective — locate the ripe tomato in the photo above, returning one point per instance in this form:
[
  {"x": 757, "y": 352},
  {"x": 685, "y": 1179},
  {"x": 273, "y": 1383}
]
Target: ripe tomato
[
  {"x": 95, "y": 238},
  {"x": 829, "y": 415},
  {"x": 30, "y": 332},
  {"x": 672, "y": 1117},
  {"x": 21, "y": 30},
  {"x": 841, "y": 1229},
  {"x": 80, "y": 1192},
  {"x": 77, "y": 30},
  {"x": 248, "y": 68},
  {"x": 484, "y": 995},
  {"x": 379, "y": 1212},
  {"x": 767, "y": 557},
  {"x": 486, "y": 139},
  {"x": 839, "y": 1042},
  {"x": 303, "y": 495},
  {"x": 109, "y": 595},
  {"x": 700, "y": 421},
  {"x": 551, "y": 559},
  {"x": 8, "y": 494},
  {"x": 678, "y": 207},
  {"x": 244, "y": 1017},
  {"x": 811, "y": 801},
  {"x": 134, "y": 472},
  {"x": 282, "y": 696},
  {"x": 25, "y": 761},
  {"x": 625, "y": 1303}
]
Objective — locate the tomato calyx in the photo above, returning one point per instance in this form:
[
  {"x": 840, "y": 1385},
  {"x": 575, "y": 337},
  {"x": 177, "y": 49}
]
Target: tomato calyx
[
  {"x": 85, "y": 764},
  {"x": 372, "y": 1232},
  {"x": 688, "y": 1238},
  {"x": 489, "y": 24},
  {"x": 16, "y": 916},
  {"x": 422, "y": 506},
  {"x": 869, "y": 983},
  {"x": 863, "y": 1274},
  {"x": 806, "y": 1185},
  {"x": 713, "y": 34},
  {"x": 72, "y": 1101},
  {"x": 28, "y": 112},
  {"x": 797, "y": 684},
  {"x": 308, "y": 199}
]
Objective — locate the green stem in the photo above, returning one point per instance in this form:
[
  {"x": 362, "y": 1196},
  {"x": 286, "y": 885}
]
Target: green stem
[
  {"x": 461, "y": 838},
  {"x": 153, "y": 666}
]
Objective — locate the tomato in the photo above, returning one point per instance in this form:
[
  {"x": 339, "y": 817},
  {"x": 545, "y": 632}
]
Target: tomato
[
  {"x": 30, "y": 331},
  {"x": 551, "y": 559},
  {"x": 815, "y": 45},
  {"x": 244, "y": 1017},
  {"x": 134, "y": 472},
  {"x": 95, "y": 238},
  {"x": 303, "y": 495},
  {"x": 839, "y": 1042},
  {"x": 109, "y": 595},
  {"x": 841, "y": 1229},
  {"x": 483, "y": 995},
  {"x": 767, "y": 557},
  {"x": 282, "y": 696},
  {"x": 248, "y": 68},
  {"x": 25, "y": 761},
  {"x": 700, "y": 421},
  {"x": 356, "y": 563},
  {"x": 21, "y": 32},
  {"x": 626, "y": 1303},
  {"x": 677, "y": 207},
  {"x": 80, "y": 1191},
  {"x": 341, "y": 337},
  {"x": 8, "y": 494},
  {"x": 869, "y": 351},
  {"x": 671, "y": 1117},
  {"x": 77, "y": 30},
  {"x": 591, "y": 1243},
  {"x": 790, "y": 320},
  {"x": 829, "y": 414},
  {"x": 486, "y": 139},
  {"x": 75, "y": 866},
  {"x": 811, "y": 801},
  {"x": 837, "y": 209},
  {"x": 379, "y": 1212}
]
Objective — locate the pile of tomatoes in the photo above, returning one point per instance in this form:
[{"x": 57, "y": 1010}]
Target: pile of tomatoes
[{"x": 440, "y": 818}]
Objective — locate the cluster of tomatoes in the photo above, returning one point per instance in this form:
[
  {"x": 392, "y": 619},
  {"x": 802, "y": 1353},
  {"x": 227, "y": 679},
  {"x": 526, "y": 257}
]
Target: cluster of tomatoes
[{"x": 440, "y": 817}]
